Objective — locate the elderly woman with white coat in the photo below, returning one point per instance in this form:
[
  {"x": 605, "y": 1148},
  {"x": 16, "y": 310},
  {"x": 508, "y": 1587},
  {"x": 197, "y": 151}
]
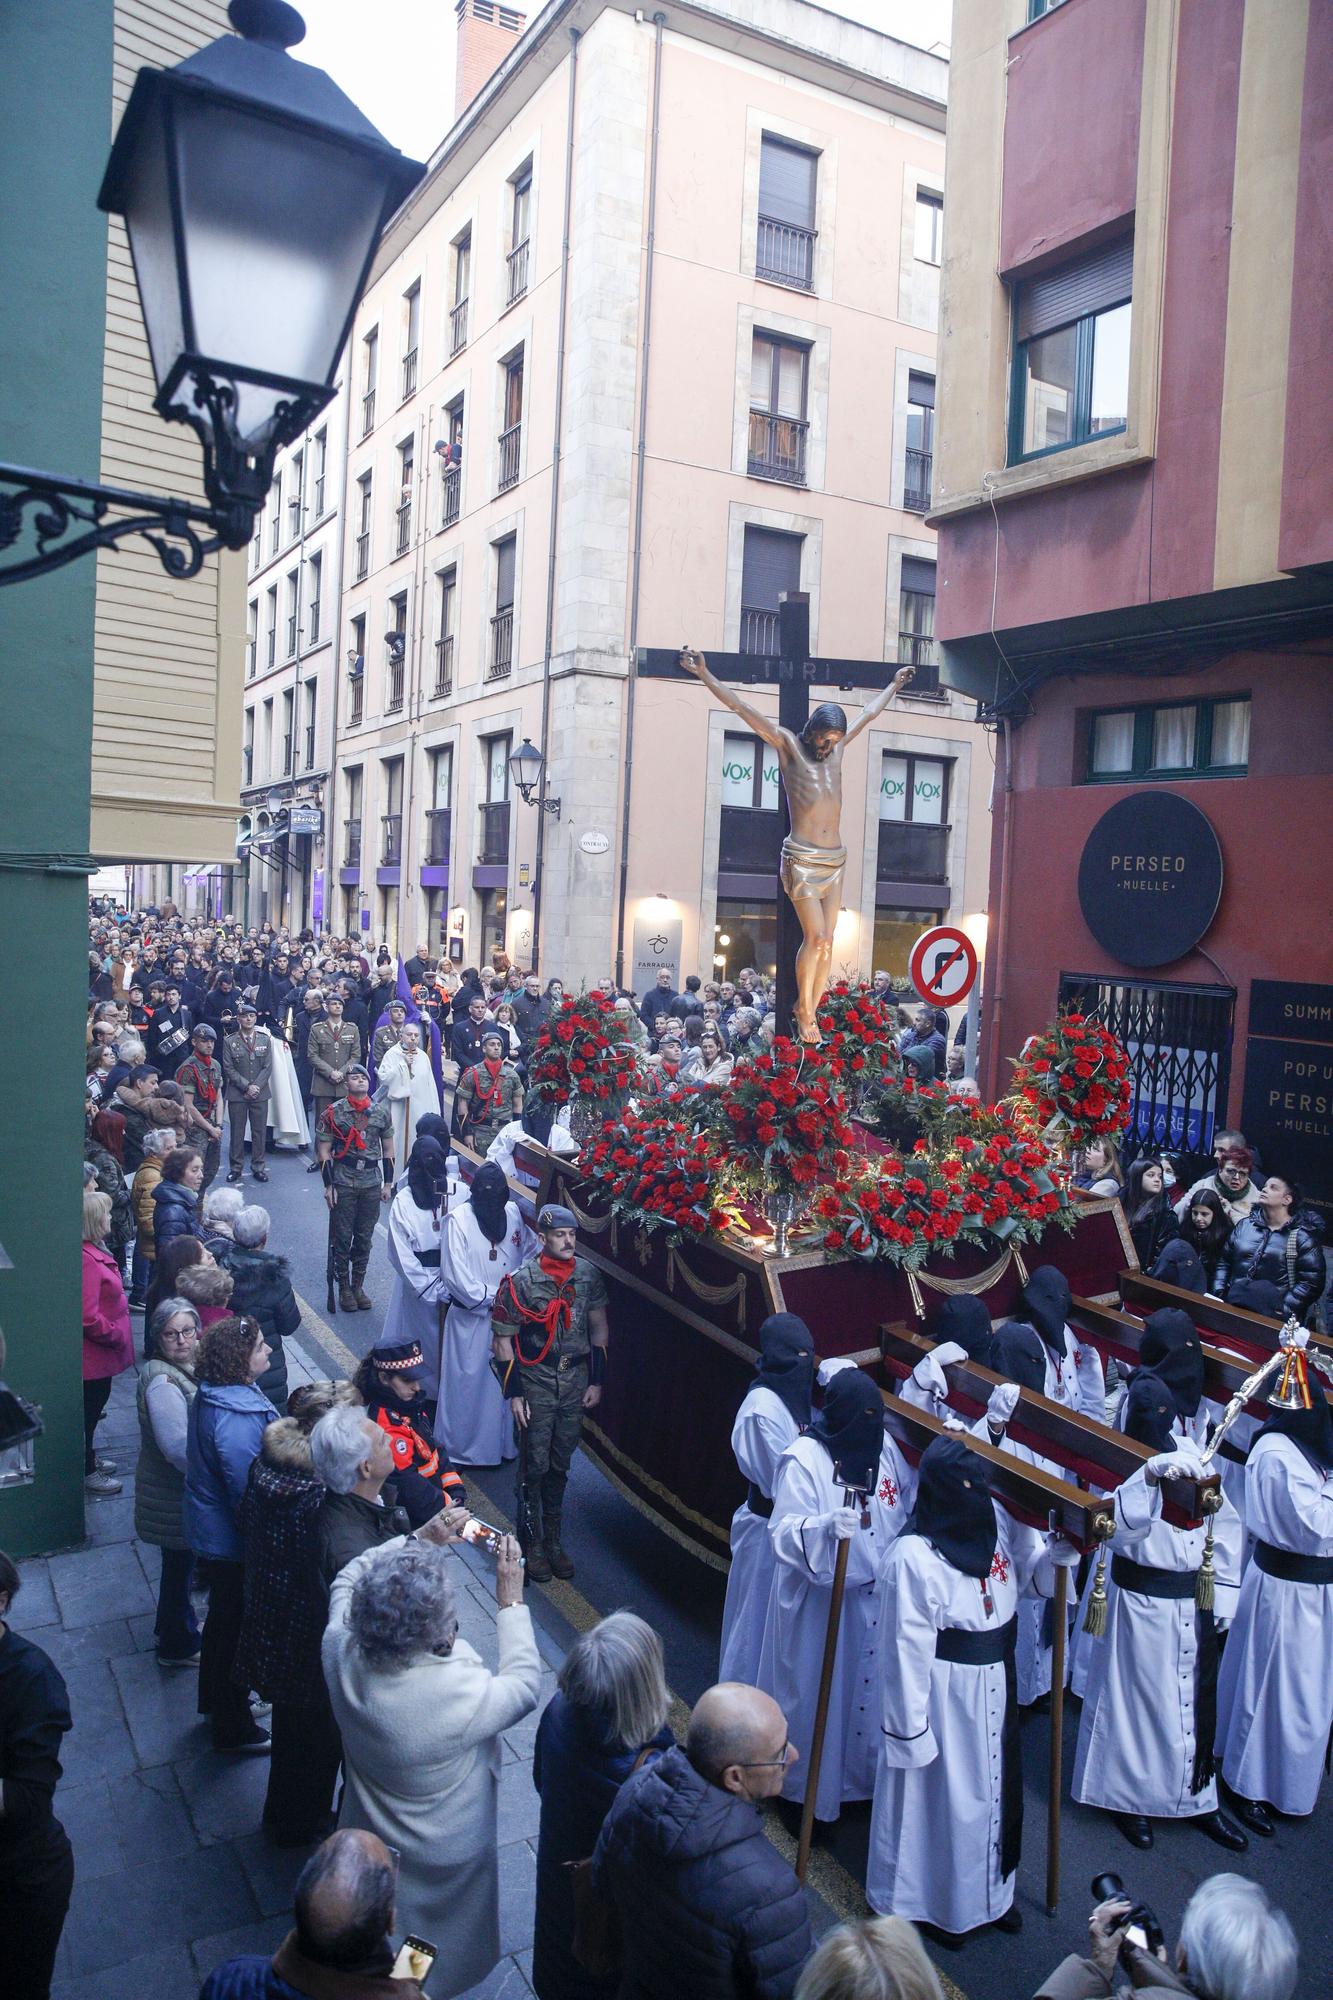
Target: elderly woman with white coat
[{"x": 421, "y": 1717}]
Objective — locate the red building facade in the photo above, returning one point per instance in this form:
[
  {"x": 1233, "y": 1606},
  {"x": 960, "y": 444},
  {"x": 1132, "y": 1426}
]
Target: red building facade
[{"x": 1134, "y": 498}]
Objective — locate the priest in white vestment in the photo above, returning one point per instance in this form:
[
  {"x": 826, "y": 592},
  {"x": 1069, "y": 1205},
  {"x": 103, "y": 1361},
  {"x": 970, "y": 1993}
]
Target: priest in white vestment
[
  {"x": 775, "y": 1411},
  {"x": 846, "y": 1449},
  {"x": 484, "y": 1239},
  {"x": 405, "y": 1079}
]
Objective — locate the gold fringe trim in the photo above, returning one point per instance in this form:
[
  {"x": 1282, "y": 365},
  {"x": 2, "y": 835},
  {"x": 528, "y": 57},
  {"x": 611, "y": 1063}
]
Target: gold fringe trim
[{"x": 713, "y": 1295}]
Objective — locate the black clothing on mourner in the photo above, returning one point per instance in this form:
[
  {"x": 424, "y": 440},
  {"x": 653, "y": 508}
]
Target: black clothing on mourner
[
  {"x": 787, "y": 1363},
  {"x": 36, "y": 1861},
  {"x": 851, "y": 1428},
  {"x": 347, "y": 1527},
  {"x": 169, "y": 1044},
  {"x": 1290, "y": 1256},
  {"x": 262, "y": 1290}
]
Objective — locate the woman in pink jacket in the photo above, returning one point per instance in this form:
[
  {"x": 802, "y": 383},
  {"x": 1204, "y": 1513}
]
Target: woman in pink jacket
[{"x": 108, "y": 1344}]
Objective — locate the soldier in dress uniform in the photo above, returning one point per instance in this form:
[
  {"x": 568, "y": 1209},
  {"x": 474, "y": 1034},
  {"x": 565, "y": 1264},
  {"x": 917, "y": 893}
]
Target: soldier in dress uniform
[
  {"x": 549, "y": 1333},
  {"x": 247, "y": 1064},
  {"x": 333, "y": 1045},
  {"x": 200, "y": 1079},
  {"x": 490, "y": 1094},
  {"x": 354, "y": 1146}
]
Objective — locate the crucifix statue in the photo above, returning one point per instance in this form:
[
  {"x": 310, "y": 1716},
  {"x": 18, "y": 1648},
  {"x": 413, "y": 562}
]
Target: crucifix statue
[{"x": 809, "y": 749}]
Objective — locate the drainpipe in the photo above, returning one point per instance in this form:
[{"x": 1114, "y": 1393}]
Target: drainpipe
[
  {"x": 332, "y": 846},
  {"x": 549, "y": 646},
  {"x": 659, "y": 23},
  {"x": 1000, "y": 942},
  {"x": 414, "y": 691}
]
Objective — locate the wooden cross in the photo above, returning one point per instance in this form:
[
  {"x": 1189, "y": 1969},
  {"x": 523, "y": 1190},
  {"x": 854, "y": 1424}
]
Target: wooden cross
[{"x": 794, "y": 671}]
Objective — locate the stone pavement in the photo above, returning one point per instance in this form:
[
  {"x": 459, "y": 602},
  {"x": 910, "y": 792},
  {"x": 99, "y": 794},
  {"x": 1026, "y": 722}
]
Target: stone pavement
[{"x": 172, "y": 1873}]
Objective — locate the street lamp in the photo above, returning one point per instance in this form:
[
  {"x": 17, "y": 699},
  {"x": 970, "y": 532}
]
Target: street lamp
[
  {"x": 254, "y": 194},
  {"x": 526, "y": 765}
]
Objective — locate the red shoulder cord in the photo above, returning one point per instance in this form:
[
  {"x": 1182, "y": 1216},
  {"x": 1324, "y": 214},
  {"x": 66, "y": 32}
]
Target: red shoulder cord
[
  {"x": 557, "y": 1318},
  {"x": 353, "y": 1137}
]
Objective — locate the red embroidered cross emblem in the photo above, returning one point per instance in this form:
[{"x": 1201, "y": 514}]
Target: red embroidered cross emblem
[
  {"x": 888, "y": 1492},
  {"x": 1000, "y": 1567}
]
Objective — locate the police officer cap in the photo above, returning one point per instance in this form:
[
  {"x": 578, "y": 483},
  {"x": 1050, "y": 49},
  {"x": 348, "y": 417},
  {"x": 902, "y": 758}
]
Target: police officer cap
[
  {"x": 555, "y": 1217},
  {"x": 203, "y": 1033}
]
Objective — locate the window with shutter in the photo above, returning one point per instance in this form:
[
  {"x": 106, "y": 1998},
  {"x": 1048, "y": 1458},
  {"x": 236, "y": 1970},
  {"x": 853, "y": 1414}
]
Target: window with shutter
[
  {"x": 504, "y": 573},
  {"x": 771, "y": 565},
  {"x": 1071, "y": 352},
  {"x": 916, "y": 624},
  {"x": 785, "y": 251}
]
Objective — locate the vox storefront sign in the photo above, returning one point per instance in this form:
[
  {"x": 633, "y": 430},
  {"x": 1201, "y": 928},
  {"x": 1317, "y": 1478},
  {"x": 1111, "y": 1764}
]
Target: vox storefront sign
[{"x": 1150, "y": 879}]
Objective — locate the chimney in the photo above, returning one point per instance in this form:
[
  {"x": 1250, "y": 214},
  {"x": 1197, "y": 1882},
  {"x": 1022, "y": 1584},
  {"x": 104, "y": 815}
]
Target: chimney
[{"x": 487, "y": 31}]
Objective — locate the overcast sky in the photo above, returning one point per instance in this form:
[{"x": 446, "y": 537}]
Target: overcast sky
[{"x": 395, "y": 58}]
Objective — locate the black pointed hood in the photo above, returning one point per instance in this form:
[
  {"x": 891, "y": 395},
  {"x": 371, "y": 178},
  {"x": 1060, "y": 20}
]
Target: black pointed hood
[
  {"x": 954, "y": 1510},
  {"x": 1017, "y": 1353},
  {"x": 1172, "y": 1349},
  {"x": 851, "y": 1428},
  {"x": 1046, "y": 1300},
  {"x": 787, "y": 1363},
  {"x": 1150, "y": 1410},
  {"x": 963, "y": 1318}
]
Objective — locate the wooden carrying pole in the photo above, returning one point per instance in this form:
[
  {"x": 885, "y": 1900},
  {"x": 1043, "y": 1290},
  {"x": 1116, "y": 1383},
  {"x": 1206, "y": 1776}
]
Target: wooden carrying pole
[
  {"x": 821, "y": 1709},
  {"x": 1061, "y": 1610}
]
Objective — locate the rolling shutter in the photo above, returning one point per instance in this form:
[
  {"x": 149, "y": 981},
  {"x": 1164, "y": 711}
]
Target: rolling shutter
[
  {"x": 772, "y": 564},
  {"x": 1093, "y": 283},
  {"x": 787, "y": 183}
]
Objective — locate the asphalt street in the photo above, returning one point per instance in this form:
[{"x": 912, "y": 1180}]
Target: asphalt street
[{"x": 623, "y": 1561}]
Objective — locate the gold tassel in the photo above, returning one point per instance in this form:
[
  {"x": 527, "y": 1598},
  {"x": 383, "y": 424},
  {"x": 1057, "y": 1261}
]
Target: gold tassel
[
  {"x": 1204, "y": 1584},
  {"x": 1094, "y": 1615},
  {"x": 1021, "y": 1266},
  {"x": 918, "y": 1303}
]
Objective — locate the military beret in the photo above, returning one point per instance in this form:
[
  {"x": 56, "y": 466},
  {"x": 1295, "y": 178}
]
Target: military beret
[{"x": 553, "y": 1216}]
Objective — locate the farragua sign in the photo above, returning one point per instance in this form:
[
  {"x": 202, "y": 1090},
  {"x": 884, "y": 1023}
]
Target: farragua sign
[{"x": 1150, "y": 879}]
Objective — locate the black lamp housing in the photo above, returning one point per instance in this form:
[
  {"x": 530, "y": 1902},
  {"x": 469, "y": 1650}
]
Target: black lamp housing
[{"x": 526, "y": 765}]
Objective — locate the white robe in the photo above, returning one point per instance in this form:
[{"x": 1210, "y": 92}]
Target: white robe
[
  {"x": 414, "y": 1311},
  {"x": 805, "y": 1551},
  {"x": 1079, "y": 1379},
  {"x": 410, "y": 1089},
  {"x": 1275, "y": 1690},
  {"x": 1034, "y": 1653},
  {"x": 286, "y": 1113},
  {"x": 763, "y": 1429},
  {"x": 500, "y": 1152},
  {"x": 936, "y": 1825},
  {"x": 473, "y": 1422},
  {"x": 1136, "y": 1737}
]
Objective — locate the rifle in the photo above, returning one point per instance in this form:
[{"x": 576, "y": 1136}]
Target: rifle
[
  {"x": 504, "y": 1373},
  {"x": 331, "y": 1302}
]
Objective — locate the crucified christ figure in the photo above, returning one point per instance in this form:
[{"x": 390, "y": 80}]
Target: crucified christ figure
[{"x": 813, "y": 858}]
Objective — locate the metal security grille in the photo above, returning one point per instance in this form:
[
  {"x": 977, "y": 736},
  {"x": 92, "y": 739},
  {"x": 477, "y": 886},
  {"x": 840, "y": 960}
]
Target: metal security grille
[{"x": 1179, "y": 1044}]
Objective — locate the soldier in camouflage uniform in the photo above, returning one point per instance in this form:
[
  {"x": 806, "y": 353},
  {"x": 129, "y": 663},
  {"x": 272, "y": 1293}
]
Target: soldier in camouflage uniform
[
  {"x": 355, "y": 1150},
  {"x": 489, "y": 1095},
  {"x": 200, "y": 1080},
  {"x": 549, "y": 1335}
]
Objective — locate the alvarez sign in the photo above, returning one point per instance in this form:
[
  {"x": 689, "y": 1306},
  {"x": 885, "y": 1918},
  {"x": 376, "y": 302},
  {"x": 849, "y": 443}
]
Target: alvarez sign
[{"x": 1150, "y": 879}]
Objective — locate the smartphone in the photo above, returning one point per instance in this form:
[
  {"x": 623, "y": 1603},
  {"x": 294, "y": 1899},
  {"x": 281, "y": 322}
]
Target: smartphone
[
  {"x": 1137, "y": 1935},
  {"x": 416, "y": 1956},
  {"x": 483, "y": 1535}
]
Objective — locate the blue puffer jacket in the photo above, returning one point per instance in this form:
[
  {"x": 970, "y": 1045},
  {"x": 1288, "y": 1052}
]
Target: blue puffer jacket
[
  {"x": 707, "y": 1905},
  {"x": 578, "y": 1772},
  {"x": 227, "y": 1425},
  {"x": 175, "y": 1213}
]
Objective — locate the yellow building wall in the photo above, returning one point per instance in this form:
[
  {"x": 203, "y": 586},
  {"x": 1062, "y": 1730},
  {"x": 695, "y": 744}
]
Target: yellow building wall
[{"x": 168, "y": 655}]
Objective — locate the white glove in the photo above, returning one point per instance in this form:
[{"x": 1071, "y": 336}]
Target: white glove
[
  {"x": 1062, "y": 1553},
  {"x": 844, "y": 1521},
  {"x": 929, "y": 1376},
  {"x": 1003, "y": 1402},
  {"x": 828, "y": 1369},
  {"x": 951, "y": 1422},
  {"x": 947, "y": 1353},
  {"x": 1182, "y": 1463},
  {"x": 1293, "y": 1335}
]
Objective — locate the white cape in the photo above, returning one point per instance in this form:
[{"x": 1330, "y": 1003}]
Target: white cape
[
  {"x": 286, "y": 1113},
  {"x": 415, "y": 1309},
  {"x": 473, "y": 1422}
]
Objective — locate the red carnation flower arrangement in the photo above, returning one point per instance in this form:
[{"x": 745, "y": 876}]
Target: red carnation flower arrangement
[
  {"x": 858, "y": 1030},
  {"x": 781, "y": 1121},
  {"x": 584, "y": 1058},
  {"x": 1072, "y": 1082},
  {"x": 660, "y": 1170}
]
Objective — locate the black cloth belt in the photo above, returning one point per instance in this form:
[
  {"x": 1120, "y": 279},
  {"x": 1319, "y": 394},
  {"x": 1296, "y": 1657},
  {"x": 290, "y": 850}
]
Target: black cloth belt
[
  {"x": 429, "y": 1259},
  {"x": 1285, "y": 1563},
  {"x": 759, "y": 1503},
  {"x": 991, "y": 1647},
  {"x": 1151, "y": 1582},
  {"x": 1178, "y": 1585}
]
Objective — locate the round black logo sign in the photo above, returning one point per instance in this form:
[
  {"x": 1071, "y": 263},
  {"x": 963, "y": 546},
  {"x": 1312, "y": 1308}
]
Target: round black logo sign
[{"x": 1150, "y": 879}]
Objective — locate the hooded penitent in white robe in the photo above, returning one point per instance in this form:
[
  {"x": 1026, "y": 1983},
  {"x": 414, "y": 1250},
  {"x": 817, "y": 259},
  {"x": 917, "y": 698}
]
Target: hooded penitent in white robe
[
  {"x": 501, "y": 1149},
  {"x": 763, "y": 1429},
  {"x": 936, "y": 1827},
  {"x": 1137, "y": 1740},
  {"x": 286, "y": 1112},
  {"x": 1275, "y": 1689},
  {"x": 409, "y": 1086},
  {"x": 473, "y": 1422},
  {"x": 415, "y": 1310},
  {"x": 805, "y": 1551}
]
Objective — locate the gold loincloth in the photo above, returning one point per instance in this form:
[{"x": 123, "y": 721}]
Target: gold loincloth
[{"x": 811, "y": 871}]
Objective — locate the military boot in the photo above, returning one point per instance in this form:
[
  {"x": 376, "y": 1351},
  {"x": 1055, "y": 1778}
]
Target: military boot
[
  {"x": 538, "y": 1564},
  {"x": 346, "y": 1297},
  {"x": 361, "y": 1298},
  {"x": 561, "y": 1566}
]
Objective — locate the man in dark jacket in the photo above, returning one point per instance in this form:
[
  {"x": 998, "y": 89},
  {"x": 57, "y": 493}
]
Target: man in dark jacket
[
  {"x": 263, "y": 1291},
  {"x": 531, "y": 1009},
  {"x": 659, "y": 1000},
  {"x": 36, "y": 1863},
  {"x": 707, "y": 1905},
  {"x": 925, "y": 1036},
  {"x": 353, "y": 1457},
  {"x": 465, "y": 1038}
]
